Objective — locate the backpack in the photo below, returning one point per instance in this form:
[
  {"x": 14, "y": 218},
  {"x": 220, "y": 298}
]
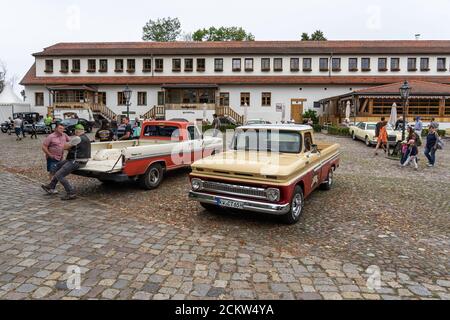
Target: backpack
[{"x": 377, "y": 129}]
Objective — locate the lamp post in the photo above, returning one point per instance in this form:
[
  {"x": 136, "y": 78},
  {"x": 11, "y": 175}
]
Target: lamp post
[
  {"x": 405, "y": 90},
  {"x": 127, "y": 95}
]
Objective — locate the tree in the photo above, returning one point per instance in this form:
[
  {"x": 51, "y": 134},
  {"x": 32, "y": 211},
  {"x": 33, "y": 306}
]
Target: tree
[
  {"x": 222, "y": 34},
  {"x": 311, "y": 114},
  {"x": 162, "y": 30},
  {"x": 316, "y": 36}
]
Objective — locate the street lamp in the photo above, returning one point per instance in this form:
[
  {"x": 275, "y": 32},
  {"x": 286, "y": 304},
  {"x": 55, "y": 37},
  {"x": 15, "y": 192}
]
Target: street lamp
[
  {"x": 127, "y": 95},
  {"x": 405, "y": 90}
]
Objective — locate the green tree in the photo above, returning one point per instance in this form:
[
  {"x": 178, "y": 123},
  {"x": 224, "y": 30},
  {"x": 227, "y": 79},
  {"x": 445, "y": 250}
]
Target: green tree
[
  {"x": 318, "y": 35},
  {"x": 162, "y": 30},
  {"x": 222, "y": 34},
  {"x": 311, "y": 114}
]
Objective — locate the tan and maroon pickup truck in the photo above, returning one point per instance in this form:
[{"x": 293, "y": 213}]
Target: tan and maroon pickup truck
[{"x": 268, "y": 169}]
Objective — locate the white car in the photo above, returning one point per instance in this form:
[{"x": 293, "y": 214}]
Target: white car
[{"x": 365, "y": 131}]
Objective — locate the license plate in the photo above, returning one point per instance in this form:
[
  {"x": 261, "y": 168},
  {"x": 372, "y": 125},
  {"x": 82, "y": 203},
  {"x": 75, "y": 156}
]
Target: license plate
[{"x": 230, "y": 204}]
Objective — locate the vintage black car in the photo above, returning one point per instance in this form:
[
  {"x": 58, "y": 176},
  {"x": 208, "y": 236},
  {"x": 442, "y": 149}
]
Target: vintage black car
[{"x": 70, "y": 124}]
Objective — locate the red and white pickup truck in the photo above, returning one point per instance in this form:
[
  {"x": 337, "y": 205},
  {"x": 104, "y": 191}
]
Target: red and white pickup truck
[{"x": 163, "y": 146}]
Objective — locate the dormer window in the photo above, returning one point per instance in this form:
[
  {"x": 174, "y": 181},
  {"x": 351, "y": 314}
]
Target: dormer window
[{"x": 49, "y": 66}]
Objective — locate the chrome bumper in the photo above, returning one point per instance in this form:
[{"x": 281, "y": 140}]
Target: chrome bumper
[{"x": 255, "y": 206}]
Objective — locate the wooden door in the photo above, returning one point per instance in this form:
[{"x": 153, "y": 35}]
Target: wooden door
[{"x": 297, "y": 110}]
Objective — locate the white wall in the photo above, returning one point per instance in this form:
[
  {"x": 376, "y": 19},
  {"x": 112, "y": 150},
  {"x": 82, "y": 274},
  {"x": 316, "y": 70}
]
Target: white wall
[{"x": 40, "y": 66}]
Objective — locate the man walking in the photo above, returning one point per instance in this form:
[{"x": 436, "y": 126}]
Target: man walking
[
  {"x": 216, "y": 125},
  {"x": 431, "y": 146},
  {"x": 79, "y": 154},
  {"x": 53, "y": 147},
  {"x": 18, "y": 128}
]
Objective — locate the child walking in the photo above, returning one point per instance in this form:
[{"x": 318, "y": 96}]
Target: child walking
[{"x": 412, "y": 154}]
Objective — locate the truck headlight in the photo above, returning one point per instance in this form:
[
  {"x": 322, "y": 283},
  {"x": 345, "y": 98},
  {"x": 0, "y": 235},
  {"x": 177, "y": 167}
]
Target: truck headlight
[
  {"x": 273, "y": 194},
  {"x": 197, "y": 184}
]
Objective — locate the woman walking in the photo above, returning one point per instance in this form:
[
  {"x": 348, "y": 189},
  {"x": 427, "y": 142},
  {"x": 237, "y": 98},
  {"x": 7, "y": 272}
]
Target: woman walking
[
  {"x": 431, "y": 146},
  {"x": 382, "y": 138}
]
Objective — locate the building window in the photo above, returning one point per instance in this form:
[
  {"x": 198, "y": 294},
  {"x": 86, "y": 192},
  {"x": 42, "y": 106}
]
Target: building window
[
  {"x": 161, "y": 98},
  {"x": 159, "y": 65},
  {"x": 103, "y": 65},
  {"x": 102, "y": 98},
  {"x": 131, "y": 65},
  {"x": 265, "y": 64},
  {"x": 236, "y": 64},
  {"x": 64, "y": 66},
  {"x": 353, "y": 64},
  {"x": 382, "y": 64},
  {"x": 92, "y": 65},
  {"x": 142, "y": 98},
  {"x": 201, "y": 65},
  {"x": 224, "y": 100},
  {"x": 365, "y": 64},
  {"x": 49, "y": 66},
  {"x": 395, "y": 64},
  {"x": 266, "y": 99},
  {"x": 278, "y": 64},
  {"x": 412, "y": 64},
  {"x": 76, "y": 66},
  {"x": 176, "y": 65},
  {"x": 295, "y": 64},
  {"x": 121, "y": 101},
  {"x": 188, "y": 65},
  {"x": 323, "y": 64},
  {"x": 147, "y": 65},
  {"x": 307, "y": 64},
  {"x": 119, "y": 65},
  {"x": 424, "y": 64},
  {"x": 336, "y": 64},
  {"x": 245, "y": 99},
  {"x": 218, "y": 65},
  {"x": 441, "y": 64},
  {"x": 39, "y": 98},
  {"x": 248, "y": 63}
]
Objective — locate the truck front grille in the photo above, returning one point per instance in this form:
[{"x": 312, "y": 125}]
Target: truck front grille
[{"x": 231, "y": 189}]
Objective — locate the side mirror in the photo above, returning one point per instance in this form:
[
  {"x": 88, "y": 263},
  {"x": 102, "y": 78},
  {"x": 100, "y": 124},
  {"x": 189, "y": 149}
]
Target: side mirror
[{"x": 314, "y": 148}]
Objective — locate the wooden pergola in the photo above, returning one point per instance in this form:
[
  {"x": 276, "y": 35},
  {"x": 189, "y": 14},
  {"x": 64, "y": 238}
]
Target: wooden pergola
[{"x": 427, "y": 100}]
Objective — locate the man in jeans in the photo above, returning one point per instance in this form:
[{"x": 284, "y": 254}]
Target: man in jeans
[
  {"x": 53, "y": 147},
  {"x": 79, "y": 154},
  {"x": 431, "y": 146}
]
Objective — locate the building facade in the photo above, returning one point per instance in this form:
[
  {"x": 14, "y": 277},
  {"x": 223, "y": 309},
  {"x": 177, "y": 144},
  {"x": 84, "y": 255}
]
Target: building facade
[{"x": 272, "y": 80}]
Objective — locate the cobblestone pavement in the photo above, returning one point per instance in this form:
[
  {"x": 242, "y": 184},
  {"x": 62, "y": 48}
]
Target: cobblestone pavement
[{"x": 130, "y": 243}]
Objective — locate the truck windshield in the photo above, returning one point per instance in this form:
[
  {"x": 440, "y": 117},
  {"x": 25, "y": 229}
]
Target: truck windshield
[
  {"x": 268, "y": 140},
  {"x": 162, "y": 131}
]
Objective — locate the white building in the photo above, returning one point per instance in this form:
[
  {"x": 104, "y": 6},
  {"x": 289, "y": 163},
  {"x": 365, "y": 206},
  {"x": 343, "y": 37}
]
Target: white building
[{"x": 191, "y": 79}]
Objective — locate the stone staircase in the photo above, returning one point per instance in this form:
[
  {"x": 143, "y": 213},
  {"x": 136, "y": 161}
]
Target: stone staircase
[{"x": 226, "y": 111}]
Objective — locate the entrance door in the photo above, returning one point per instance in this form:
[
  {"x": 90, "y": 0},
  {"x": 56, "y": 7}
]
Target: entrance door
[{"x": 297, "y": 110}]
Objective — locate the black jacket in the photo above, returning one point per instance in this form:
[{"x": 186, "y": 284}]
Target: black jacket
[{"x": 82, "y": 151}]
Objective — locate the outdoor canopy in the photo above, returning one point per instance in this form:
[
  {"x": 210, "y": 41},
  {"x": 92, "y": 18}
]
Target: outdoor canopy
[{"x": 10, "y": 103}]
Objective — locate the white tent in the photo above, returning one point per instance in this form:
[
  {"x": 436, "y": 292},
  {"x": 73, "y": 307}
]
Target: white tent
[{"x": 10, "y": 103}]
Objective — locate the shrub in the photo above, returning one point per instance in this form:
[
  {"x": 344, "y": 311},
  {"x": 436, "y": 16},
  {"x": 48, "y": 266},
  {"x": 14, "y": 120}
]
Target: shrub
[
  {"x": 339, "y": 131},
  {"x": 317, "y": 128},
  {"x": 440, "y": 132}
]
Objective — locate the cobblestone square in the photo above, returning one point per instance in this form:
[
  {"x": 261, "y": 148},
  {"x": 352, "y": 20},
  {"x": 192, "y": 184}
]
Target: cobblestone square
[{"x": 381, "y": 233}]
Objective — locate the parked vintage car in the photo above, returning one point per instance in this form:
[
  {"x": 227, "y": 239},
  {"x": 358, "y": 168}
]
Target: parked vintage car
[
  {"x": 70, "y": 124},
  {"x": 365, "y": 131},
  {"x": 163, "y": 146},
  {"x": 40, "y": 127},
  {"x": 269, "y": 169}
]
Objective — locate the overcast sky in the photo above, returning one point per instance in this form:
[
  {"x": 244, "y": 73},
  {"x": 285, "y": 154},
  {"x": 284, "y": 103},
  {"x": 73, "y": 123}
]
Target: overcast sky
[{"x": 28, "y": 26}]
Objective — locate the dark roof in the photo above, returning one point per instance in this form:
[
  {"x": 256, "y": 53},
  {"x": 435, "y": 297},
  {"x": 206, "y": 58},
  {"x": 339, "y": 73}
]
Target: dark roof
[
  {"x": 31, "y": 79},
  {"x": 248, "y": 47}
]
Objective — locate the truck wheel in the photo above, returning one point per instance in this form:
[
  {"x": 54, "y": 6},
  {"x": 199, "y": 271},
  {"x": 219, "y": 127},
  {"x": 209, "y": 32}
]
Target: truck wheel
[
  {"x": 153, "y": 177},
  {"x": 297, "y": 203},
  {"x": 330, "y": 180}
]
